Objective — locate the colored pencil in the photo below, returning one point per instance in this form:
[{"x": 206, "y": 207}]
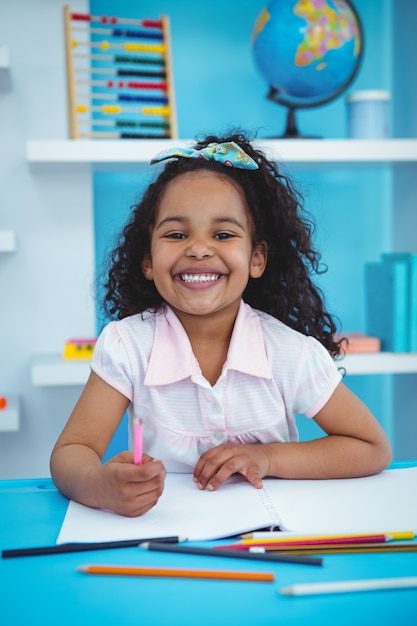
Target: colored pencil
[
  {"x": 236, "y": 554},
  {"x": 329, "y": 540},
  {"x": 137, "y": 441},
  {"x": 309, "y": 589},
  {"x": 245, "y": 545},
  {"x": 335, "y": 547},
  {"x": 163, "y": 572},
  {"x": 84, "y": 547},
  {"x": 284, "y": 536},
  {"x": 371, "y": 548}
]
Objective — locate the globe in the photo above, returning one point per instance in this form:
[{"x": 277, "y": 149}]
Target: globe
[{"x": 308, "y": 51}]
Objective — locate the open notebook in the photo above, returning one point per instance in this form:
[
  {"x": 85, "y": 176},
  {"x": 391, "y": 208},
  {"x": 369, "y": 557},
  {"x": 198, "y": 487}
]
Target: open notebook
[{"x": 377, "y": 504}]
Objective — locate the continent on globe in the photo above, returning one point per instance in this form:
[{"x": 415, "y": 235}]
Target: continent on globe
[{"x": 326, "y": 29}]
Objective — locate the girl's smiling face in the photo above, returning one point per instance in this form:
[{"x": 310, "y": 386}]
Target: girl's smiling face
[{"x": 202, "y": 252}]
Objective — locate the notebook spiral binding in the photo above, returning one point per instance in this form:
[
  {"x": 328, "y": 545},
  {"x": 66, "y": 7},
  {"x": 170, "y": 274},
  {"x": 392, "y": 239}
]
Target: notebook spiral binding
[{"x": 269, "y": 506}]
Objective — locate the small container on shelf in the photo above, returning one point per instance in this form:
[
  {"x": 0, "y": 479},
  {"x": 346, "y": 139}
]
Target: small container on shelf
[
  {"x": 354, "y": 342},
  {"x": 368, "y": 116},
  {"x": 79, "y": 348}
]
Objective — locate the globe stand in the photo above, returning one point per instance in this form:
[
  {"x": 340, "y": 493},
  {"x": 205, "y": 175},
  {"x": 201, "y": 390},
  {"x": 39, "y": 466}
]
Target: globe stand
[{"x": 291, "y": 130}]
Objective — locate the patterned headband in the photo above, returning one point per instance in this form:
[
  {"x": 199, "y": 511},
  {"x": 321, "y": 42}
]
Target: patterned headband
[{"x": 229, "y": 153}]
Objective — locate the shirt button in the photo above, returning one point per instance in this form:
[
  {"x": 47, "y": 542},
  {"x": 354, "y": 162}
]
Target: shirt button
[{"x": 218, "y": 437}]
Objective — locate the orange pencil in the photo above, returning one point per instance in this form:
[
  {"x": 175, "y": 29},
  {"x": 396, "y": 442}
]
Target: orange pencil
[{"x": 163, "y": 572}]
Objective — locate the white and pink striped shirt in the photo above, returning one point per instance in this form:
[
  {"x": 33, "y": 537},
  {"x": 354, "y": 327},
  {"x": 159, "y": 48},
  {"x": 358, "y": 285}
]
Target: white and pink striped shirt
[{"x": 271, "y": 373}]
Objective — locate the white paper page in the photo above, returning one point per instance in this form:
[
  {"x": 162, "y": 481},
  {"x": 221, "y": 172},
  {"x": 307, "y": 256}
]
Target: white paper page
[
  {"x": 375, "y": 504},
  {"x": 182, "y": 510}
]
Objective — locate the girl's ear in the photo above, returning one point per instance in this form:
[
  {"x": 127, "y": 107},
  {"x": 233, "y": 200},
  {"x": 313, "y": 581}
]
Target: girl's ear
[
  {"x": 259, "y": 259},
  {"x": 147, "y": 268}
]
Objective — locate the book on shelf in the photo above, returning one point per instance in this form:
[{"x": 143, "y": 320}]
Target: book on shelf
[
  {"x": 411, "y": 262},
  {"x": 387, "y": 303}
]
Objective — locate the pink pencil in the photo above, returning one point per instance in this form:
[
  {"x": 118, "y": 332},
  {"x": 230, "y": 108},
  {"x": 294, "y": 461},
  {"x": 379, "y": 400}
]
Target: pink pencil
[{"x": 137, "y": 441}]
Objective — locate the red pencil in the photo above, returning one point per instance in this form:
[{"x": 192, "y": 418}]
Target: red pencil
[{"x": 297, "y": 543}]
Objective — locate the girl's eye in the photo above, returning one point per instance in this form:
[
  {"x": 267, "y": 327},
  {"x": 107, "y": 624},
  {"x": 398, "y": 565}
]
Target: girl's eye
[
  {"x": 175, "y": 236},
  {"x": 223, "y": 236}
]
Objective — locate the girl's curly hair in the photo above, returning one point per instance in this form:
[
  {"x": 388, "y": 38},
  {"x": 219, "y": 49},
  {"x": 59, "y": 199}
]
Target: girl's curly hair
[{"x": 285, "y": 291}]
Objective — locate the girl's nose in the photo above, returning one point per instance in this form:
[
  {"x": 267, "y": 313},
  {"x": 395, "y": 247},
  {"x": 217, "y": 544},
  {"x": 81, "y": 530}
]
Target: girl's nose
[{"x": 199, "y": 248}]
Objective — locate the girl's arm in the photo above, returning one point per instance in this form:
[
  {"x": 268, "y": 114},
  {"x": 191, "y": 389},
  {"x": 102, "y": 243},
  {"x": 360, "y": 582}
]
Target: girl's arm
[
  {"x": 355, "y": 445},
  {"x": 76, "y": 460}
]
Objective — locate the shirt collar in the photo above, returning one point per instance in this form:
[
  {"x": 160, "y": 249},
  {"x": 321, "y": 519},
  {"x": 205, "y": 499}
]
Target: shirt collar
[{"x": 172, "y": 358}]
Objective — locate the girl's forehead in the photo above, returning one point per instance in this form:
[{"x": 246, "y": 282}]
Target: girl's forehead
[
  {"x": 189, "y": 180},
  {"x": 202, "y": 174},
  {"x": 219, "y": 193}
]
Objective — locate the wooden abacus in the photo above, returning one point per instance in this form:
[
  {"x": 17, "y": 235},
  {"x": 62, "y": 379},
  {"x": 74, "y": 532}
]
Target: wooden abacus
[{"x": 119, "y": 78}]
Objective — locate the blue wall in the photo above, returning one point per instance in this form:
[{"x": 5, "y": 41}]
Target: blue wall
[{"x": 217, "y": 87}]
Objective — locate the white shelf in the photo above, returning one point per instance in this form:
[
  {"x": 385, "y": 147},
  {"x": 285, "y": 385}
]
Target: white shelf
[
  {"x": 7, "y": 241},
  {"x": 53, "y": 370},
  {"x": 379, "y": 363},
  {"x": 9, "y": 417},
  {"x": 114, "y": 154}
]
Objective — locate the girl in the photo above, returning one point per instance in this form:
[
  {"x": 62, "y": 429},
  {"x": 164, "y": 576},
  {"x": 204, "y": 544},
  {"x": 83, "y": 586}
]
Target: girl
[{"x": 221, "y": 339}]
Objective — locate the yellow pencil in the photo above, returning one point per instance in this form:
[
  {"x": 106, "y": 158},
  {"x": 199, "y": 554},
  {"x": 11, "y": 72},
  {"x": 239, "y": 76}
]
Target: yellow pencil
[
  {"x": 163, "y": 572},
  {"x": 275, "y": 537}
]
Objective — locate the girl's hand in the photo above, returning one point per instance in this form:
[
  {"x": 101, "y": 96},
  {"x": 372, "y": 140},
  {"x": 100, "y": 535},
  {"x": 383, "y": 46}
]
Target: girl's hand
[
  {"x": 218, "y": 464},
  {"x": 128, "y": 489}
]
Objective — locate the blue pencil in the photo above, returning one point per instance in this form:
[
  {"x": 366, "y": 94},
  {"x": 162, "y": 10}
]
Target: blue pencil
[{"x": 231, "y": 554}]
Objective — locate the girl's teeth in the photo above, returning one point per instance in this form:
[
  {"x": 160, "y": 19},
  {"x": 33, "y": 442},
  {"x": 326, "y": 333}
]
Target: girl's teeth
[{"x": 199, "y": 278}]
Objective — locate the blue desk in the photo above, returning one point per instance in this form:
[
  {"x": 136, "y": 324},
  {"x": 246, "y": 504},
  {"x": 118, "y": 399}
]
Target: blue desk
[{"x": 48, "y": 590}]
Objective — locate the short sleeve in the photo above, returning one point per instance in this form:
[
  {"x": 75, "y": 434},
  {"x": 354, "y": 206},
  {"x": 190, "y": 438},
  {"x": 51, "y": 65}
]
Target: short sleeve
[
  {"x": 110, "y": 361},
  {"x": 318, "y": 380}
]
